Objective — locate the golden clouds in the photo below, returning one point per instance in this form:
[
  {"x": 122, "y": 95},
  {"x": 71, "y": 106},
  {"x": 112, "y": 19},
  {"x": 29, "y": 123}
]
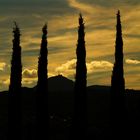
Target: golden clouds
[
  {"x": 68, "y": 68},
  {"x": 3, "y": 65},
  {"x": 131, "y": 61},
  {"x": 29, "y": 73}
]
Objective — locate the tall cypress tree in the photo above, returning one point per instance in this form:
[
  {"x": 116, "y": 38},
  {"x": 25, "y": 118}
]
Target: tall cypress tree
[
  {"x": 42, "y": 89},
  {"x": 80, "y": 106},
  {"x": 14, "y": 110},
  {"x": 118, "y": 86}
]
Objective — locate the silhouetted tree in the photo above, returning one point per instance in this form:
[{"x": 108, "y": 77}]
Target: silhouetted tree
[
  {"x": 42, "y": 89},
  {"x": 80, "y": 106},
  {"x": 14, "y": 110},
  {"x": 118, "y": 86}
]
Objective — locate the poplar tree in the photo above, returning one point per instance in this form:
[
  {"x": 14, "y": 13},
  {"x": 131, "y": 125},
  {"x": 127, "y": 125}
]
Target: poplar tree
[
  {"x": 118, "y": 86},
  {"x": 42, "y": 89},
  {"x": 80, "y": 106},
  {"x": 14, "y": 110}
]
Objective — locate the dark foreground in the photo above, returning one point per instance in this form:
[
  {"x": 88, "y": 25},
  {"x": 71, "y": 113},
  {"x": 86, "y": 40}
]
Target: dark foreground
[{"x": 61, "y": 110}]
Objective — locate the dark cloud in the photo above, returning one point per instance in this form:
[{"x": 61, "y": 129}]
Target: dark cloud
[
  {"x": 32, "y": 52},
  {"x": 54, "y": 49},
  {"x": 35, "y": 6},
  {"x": 33, "y": 2},
  {"x": 137, "y": 36},
  {"x": 132, "y": 55},
  {"x": 111, "y": 3}
]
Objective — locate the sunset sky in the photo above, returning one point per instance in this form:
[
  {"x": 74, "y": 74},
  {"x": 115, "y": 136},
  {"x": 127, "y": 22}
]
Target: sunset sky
[{"x": 62, "y": 19}]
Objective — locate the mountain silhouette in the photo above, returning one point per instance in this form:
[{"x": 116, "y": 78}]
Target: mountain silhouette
[
  {"x": 61, "y": 84},
  {"x": 61, "y": 101}
]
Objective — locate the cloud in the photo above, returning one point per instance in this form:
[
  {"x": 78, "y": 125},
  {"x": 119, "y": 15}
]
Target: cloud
[
  {"x": 6, "y": 81},
  {"x": 96, "y": 66},
  {"x": 80, "y": 6},
  {"x": 25, "y": 81},
  {"x": 57, "y": 38},
  {"x": 29, "y": 81},
  {"x": 51, "y": 74},
  {"x": 3, "y": 66},
  {"x": 132, "y": 61},
  {"x": 68, "y": 68},
  {"x": 112, "y": 3},
  {"x": 30, "y": 77},
  {"x": 32, "y": 73},
  {"x": 29, "y": 73}
]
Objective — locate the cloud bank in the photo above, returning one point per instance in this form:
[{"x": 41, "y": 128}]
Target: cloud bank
[
  {"x": 132, "y": 61},
  {"x": 68, "y": 68}
]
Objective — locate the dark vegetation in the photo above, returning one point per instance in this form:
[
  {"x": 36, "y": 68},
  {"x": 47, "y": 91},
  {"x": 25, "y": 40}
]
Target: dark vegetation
[
  {"x": 118, "y": 110},
  {"x": 80, "y": 99},
  {"x": 61, "y": 111},
  {"x": 14, "y": 109},
  {"x": 42, "y": 116}
]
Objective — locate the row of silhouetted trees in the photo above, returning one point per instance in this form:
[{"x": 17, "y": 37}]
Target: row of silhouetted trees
[{"x": 79, "y": 124}]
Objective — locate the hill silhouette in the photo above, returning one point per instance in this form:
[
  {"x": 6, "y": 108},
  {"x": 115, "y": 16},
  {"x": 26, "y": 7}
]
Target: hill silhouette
[
  {"x": 61, "y": 100},
  {"x": 61, "y": 84}
]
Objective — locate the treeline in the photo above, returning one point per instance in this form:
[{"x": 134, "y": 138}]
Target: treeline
[{"x": 79, "y": 123}]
